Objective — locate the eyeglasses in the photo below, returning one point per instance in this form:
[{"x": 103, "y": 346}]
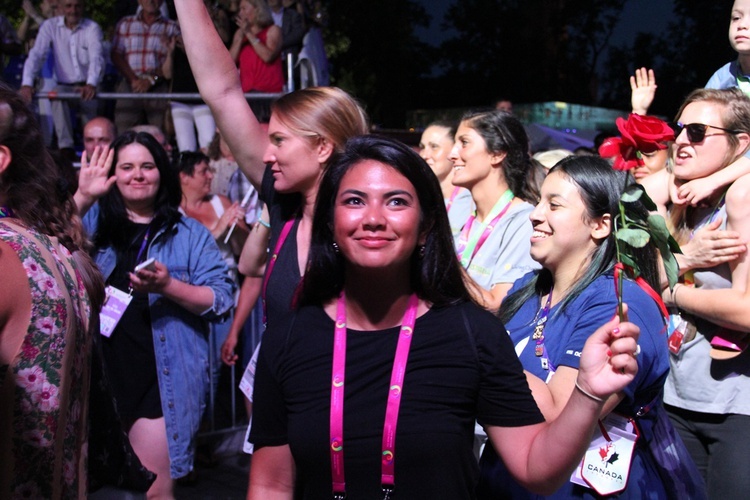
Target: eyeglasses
[{"x": 696, "y": 132}]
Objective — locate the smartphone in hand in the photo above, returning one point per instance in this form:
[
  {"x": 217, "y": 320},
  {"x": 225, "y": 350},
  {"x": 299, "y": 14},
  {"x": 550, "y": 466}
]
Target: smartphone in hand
[{"x": 148, "y": 264}]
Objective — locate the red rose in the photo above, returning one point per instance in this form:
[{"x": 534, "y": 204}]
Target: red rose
[
  {"x": 645, "y": 133},
  {"x": 624, "y": 153}
]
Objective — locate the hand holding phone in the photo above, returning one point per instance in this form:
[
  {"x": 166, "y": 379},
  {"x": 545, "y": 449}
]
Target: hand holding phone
[{"x": 148, "y": 264}]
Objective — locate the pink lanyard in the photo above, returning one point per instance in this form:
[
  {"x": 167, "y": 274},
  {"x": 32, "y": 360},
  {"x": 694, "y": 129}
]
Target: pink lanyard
[
  {"x": 463, "y": 240},
  {"x": 272, "y": 262},
  {"x": 392, "y": 406},
  {"x": 455, "y": 192}
]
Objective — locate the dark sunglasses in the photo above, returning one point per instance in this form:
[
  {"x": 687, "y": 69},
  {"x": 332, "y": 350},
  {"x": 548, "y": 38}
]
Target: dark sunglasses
[{"x": 696, "y": 132}]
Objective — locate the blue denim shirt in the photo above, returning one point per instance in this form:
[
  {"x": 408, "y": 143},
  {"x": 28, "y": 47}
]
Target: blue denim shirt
[{"x": 180, "y": 337}]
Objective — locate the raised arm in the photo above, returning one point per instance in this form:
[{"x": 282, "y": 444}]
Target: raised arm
[
  {"x": 219, "y": 84},
  {"x": 94, "y": 180},
  {"x": 642, "y": 90}
]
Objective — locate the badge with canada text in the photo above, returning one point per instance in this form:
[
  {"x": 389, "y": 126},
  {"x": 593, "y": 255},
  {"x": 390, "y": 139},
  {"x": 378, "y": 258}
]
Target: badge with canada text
[{"x": 605, "y": 467}]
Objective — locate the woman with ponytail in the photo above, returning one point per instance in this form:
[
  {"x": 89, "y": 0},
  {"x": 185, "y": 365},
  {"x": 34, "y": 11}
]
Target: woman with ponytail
[{"x": 491, "y": 159}]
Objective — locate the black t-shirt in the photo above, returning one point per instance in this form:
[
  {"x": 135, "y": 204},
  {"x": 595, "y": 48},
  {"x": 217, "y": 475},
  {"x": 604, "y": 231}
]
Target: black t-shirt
[
  {"x": 461, "y": 367},
  {"x": 129, "y": 354},
  {"x": 285, "y": 276}
]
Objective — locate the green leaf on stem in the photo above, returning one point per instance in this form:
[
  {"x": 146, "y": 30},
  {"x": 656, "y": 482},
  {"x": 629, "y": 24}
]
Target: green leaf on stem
[
  {"x": 632, "y": 270},
  {"x": 637, "y": 238},
  {"x": 631, "y": 195},
  {"x": 666, "y": 245}
]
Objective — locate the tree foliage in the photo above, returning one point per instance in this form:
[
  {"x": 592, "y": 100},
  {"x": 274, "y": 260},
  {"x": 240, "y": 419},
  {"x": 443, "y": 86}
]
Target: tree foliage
[
  {"x": 375, "y": 54},
  {"x": 532, "y": 50},
  {"x": 101, "y": 11}
]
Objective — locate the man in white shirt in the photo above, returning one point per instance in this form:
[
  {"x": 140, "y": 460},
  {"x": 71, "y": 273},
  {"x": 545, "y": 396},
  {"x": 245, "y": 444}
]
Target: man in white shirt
[{"x": 79, "y": 64}]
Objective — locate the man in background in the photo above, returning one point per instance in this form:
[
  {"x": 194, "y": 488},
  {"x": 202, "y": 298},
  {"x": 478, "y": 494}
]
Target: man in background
[{"x": 78, "y": 61}]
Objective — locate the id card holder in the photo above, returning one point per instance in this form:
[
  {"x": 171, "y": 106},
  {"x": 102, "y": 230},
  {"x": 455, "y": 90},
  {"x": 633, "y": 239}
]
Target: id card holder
[
  {"x": 605, "y": 467},
  {"x": 675, "y": 332},
  {"x": 113, "y": 309}
]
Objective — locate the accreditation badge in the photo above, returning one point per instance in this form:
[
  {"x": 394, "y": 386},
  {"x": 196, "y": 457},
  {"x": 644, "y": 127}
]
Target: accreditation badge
[
  {"x": 605, "y": 467},
  {"x": 676, "y": 332},
  {"x": 113, "y": 309}
]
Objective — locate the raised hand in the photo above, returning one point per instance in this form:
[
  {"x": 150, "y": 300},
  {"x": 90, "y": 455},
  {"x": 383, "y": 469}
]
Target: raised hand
[
  {"x": 642, "y": 90},
  {"x": 94, "y": 180}
]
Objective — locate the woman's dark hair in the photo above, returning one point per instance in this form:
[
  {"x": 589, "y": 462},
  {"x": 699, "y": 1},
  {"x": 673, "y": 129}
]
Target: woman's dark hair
[
  {"x": 436, "y": 277},
  {"x": 503, "y": 133},
  {"x": 187, "y": 160},
  {"x": 36, "y": 191},
  {"x": 600, "y": 188},
  {"x": 112, "y": 213}
]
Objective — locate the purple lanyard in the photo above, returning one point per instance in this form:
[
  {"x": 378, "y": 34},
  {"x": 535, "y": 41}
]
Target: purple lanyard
[
  {"x": 540, "y": 350},
  {"x": 144, "y": 244},
  {"x": 272, "y": 262},
  {"x": 392, "y": 406}
]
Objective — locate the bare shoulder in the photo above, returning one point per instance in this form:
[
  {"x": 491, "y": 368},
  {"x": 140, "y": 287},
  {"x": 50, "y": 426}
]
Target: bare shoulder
[
  {"x": 657, "y": 187},
  {"x": 737, "y": 198},
  {"x": 15, "y": 308}
]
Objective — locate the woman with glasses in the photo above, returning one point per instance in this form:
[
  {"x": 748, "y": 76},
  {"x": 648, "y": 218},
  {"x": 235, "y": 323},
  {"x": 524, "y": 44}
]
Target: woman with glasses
[{"x": 709, "y": 382}]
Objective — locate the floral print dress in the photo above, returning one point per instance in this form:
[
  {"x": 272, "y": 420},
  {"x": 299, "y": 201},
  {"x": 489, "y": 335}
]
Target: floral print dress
[{"x": 44, "y": 387}]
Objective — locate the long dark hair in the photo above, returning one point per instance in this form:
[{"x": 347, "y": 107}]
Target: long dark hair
[
  {"x": 436, "y": 277},
  {"x": 600, "y": 188},
  {"x": 36, "y": 191},
  {"x": 504, "y": 133},
  {"x": 112, "y": 213}
]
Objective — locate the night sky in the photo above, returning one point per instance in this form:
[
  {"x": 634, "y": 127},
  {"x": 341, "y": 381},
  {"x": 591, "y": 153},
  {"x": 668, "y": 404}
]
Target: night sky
[{"x": 638, "y": 15}]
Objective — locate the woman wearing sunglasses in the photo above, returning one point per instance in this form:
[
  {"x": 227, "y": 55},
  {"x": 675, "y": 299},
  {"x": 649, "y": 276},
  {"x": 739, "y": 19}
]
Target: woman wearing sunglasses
[{"x": 707, "y": 388}]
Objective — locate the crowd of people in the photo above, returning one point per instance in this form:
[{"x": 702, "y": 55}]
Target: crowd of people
[
  {"x": 457, "y": 320},
  {"x": 57, "y": 49}
]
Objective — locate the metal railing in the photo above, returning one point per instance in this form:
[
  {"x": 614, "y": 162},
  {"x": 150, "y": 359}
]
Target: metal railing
[{"x": 250, "y": 96}]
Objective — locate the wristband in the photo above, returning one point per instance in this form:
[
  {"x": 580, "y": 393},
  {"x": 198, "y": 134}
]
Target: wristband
[
  {"x": 674, "y": 295},
  {"x": 588, "y": 394},
  {"x": 263, "y": 223}
]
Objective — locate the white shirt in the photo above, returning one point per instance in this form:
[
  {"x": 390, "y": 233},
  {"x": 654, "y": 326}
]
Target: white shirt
[
  {"x": 278, "y": 18},
  {"x": 79, "y": 56}
]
